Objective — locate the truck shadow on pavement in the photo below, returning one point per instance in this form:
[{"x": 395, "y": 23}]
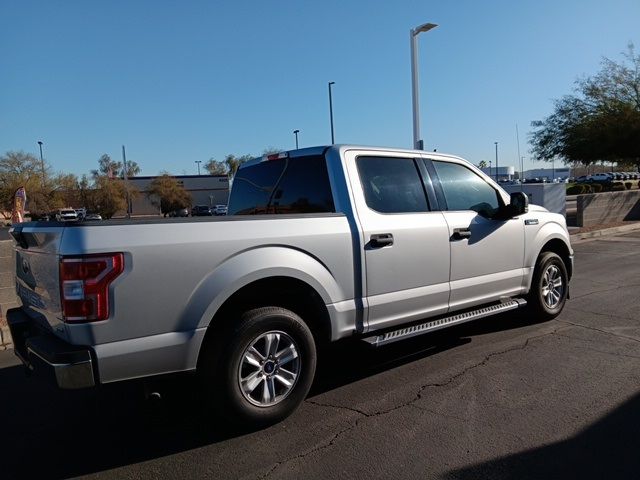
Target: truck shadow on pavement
[{"x": 48, "y": 433}]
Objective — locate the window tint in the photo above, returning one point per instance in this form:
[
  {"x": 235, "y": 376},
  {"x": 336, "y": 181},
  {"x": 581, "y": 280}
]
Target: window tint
[
  {"x": 392, "y": 185},
  {"x": 464, "y": 190},
  {"x": 296, "y": 185},
  {"x": 252, "y": 187}
]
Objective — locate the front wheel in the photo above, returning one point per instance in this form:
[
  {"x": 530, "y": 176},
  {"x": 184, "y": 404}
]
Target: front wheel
[
  {"x": 549, "y": 287},
  {"x": 261, "y": 369}
]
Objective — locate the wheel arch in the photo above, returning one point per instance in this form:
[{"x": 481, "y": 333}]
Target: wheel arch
[
  {"x": 552, "y": 237},
  {"x": 267, "y": 276}
]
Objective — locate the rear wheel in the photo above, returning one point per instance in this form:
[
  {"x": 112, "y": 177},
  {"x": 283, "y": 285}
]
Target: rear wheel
[
  {"x": 261, "y": 368},
  {"x": 549, "y": 287}
]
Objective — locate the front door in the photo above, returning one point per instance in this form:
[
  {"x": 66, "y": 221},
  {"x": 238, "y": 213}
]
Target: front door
[{"x": 487, "y": 255}]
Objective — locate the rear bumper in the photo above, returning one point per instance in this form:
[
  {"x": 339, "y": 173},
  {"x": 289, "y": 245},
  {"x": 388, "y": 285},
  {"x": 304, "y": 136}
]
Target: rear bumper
[{"x": 70, "y": 365}]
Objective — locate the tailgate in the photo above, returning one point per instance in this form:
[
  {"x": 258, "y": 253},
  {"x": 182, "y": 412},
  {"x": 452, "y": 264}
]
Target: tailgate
[{"x": 37, "y": 277}]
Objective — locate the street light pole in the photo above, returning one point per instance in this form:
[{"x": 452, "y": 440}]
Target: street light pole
[
  {"x": 41, "y": 161},
  {"x": 496, "y": 143},
  {"x": 333, "y": 140},
  {"x": 489, "y": 167},
  {"x": 418, "y": 144},
  {"x": 198, "y": 162},
  {"x": 126, "y": 181},
  {"x": 295, "y": 132}
]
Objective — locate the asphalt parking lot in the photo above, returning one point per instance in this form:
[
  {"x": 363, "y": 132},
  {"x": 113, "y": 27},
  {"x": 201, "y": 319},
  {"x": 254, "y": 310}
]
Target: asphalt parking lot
[{"x": 499, "y": 398}]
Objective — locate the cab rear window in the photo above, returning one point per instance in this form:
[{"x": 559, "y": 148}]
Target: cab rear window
[{"x": 286, "y": 185}]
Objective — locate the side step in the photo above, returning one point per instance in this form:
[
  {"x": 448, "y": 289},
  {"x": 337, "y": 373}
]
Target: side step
[{"x": 430, "y": 326}]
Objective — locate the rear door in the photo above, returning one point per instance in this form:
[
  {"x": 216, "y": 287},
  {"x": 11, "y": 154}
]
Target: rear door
[{"x": 406, "y": 244}]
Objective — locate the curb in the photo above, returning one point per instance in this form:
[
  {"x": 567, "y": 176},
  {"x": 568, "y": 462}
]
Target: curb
[{"x": 578, "y": 237}]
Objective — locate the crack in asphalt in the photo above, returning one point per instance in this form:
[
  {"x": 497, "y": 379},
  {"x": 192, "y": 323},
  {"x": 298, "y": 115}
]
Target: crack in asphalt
[
  {"x": 323, "y": 446},
  {"x": 600, "y": 330},
  {"x": 364, "y": 415}
]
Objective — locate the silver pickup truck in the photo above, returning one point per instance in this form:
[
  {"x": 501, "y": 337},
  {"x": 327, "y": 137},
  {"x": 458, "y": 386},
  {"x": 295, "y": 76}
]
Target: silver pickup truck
[{"x": 319, "y": 244}]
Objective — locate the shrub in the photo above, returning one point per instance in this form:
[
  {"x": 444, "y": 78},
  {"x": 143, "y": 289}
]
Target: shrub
[
  {"x": 617, "y": 187},
  {"x": 628, "y": 185},
  {"x": 575, "y": 189},
  {"x": 596, "y": 188}
]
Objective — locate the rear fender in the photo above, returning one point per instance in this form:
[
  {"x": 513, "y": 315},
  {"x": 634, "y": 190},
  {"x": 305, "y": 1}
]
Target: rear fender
[{"x": 252, "y": 265}]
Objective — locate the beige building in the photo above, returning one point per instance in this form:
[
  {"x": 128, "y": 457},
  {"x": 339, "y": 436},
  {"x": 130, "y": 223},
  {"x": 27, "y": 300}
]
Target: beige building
[{"x": 204, "y": 190}]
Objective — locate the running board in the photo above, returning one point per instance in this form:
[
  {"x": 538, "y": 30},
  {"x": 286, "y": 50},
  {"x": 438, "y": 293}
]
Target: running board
[{"x": 430, "y": 326}]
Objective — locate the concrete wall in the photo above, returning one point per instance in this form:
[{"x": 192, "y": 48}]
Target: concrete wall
[
  {"x": 610, "y": 207},
  {"x": 8, "y": 297},
  {"x": 551, "y": 196}
]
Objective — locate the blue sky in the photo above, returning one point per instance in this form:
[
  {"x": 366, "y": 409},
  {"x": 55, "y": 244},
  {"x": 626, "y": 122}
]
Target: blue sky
[{"x": 178, "y": 82}]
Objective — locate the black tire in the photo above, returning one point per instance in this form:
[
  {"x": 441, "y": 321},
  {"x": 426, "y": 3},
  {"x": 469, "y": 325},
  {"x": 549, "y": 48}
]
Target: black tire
[
  {"x": 546, "y": 303},
  {"x": 223, "y": 367}
]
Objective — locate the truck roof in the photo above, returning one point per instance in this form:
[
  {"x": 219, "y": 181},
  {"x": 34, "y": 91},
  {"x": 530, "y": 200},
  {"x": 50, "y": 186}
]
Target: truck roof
[{"x": 322, "y": 149}]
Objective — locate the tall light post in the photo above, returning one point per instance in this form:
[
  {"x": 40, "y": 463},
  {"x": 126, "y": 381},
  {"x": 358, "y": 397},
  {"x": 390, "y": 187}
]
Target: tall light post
[
  {"x": 496, "y": 144},
  {"x": 489, "y": 167},
  {"x": 41, "y": 161},
  {"x": 296, "y": 132},
  {"x": 125, "y": 174},
  {"x": 333, "y": 140},
  {"x": 198, "y": 162},
  {"x": 418, "y": 144}
]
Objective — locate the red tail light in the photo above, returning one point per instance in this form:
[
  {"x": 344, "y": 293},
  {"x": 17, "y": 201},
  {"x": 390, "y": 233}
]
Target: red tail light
[{"x": 84, "y": 285}]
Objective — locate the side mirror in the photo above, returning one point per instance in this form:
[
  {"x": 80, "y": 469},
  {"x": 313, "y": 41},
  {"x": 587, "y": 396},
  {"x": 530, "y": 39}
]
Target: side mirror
[
  {"x": 518, "y": 205},
  {"x": 519, "y": 202}
]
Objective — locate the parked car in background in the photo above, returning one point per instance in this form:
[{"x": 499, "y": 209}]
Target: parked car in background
[
  {"x": 601, "y": 178},
  {"x": 201, "y": 211},
  {"x": 220, "y": 209},
  {"x": 89, "y": 216},
  {"x": 81, "y": 212},
  {"x": 181, "y": 212},
  {"x": 66, "y": 215}
]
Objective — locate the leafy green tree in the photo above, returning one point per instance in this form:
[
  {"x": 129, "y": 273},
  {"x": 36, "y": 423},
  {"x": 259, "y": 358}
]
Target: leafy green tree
[
  {"x": 215, "y": 167},
  {"x": 482, "y": 164},
  {"x": 165, "y": 192},
  {"x": 107, "y": 197},
  {"x": 133, "y": 169},
  {"x": 600, "y": 122},
  {"x": 233, "y": 163},
  {"x": 107, "y": 167}
]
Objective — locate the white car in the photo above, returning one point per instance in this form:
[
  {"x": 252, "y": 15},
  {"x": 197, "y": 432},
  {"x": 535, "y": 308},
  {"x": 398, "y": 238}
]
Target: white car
[
  {"x": 220, "y": 210},
  {"x": 600, "y": 177},
  {"x": 67, "y": 215}
]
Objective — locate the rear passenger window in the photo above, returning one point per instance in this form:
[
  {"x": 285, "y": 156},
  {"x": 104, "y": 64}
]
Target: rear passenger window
[
  {"x": 287, "y": 185},
  {"x": 392, "y": 185}
]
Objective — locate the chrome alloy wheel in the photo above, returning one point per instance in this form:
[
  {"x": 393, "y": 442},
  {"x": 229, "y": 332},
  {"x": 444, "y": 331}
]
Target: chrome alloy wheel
[
  {"x": 552, "y": 286},
  {"x": 269, "y": 369}
]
